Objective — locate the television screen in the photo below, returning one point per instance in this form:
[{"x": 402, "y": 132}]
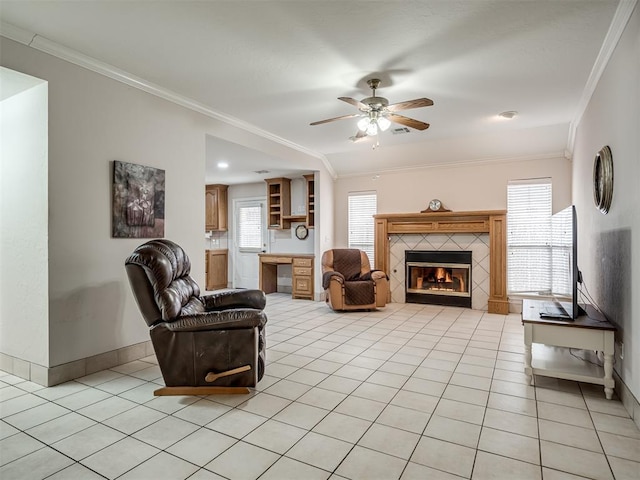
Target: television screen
[
  {"x": 562, "y": 253},
  {"x": 564, "y": 256}
]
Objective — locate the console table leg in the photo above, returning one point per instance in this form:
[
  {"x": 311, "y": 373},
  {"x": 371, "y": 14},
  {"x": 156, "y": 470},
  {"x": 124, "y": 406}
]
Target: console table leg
[
  {"x": 528, "y": 371},
  {"x": 528, "y": 336},
  {"x": 609, "y": 383}
]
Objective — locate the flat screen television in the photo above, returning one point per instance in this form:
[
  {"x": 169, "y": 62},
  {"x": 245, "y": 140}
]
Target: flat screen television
[{"x": 565, "y": 275}]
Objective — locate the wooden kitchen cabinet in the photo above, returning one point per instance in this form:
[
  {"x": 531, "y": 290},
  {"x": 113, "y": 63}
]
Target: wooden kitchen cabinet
[
  {"x": 216, "y": 208},
  {"x": 216, "y": 269},
  {"x": 279, "y": 203}
]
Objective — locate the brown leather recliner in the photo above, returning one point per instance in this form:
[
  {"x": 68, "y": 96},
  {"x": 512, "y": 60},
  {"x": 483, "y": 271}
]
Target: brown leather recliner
[
  {"x": 349, "y": 282},
  {"x": 215, "y": 340}
]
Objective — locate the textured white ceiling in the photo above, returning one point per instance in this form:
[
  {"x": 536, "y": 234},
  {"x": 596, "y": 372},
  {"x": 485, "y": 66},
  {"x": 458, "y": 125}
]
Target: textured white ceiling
[{"x": 280, "y": 65}]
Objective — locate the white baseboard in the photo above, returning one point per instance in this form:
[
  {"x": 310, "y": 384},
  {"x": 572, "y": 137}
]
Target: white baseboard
[{"x": 50, "y": 376}]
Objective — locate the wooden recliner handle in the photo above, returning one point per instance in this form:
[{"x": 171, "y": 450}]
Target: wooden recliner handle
[{"x": 212, "y": 377}]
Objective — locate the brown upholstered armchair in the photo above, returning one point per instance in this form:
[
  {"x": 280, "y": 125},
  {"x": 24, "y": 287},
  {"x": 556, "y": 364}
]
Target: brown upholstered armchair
[
  {"x": 349, "y": 282},
  {"x": 215, "y": 340}
]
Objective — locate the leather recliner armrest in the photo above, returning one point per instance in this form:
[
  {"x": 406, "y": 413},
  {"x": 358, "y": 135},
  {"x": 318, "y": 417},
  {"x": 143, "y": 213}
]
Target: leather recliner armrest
[
  {"x": 378, "y": 275},
  {"x": 234, "y": 299},
  {"x": 332, "y": 275},
  {"x": 218, "y": 320}
]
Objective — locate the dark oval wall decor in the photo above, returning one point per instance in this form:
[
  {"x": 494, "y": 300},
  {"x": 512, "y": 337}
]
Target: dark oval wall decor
[{"x": 603, "y": 179}]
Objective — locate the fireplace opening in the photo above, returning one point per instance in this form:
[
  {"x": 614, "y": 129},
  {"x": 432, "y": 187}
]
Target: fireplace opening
[{"x": 438, "y": 277}]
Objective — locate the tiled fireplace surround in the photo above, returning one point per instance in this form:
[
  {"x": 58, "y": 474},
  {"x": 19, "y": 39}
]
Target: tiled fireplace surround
[{"x": 476, "y": 243}]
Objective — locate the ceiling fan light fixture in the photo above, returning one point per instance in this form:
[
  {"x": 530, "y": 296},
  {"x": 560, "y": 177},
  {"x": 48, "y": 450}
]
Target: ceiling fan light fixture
[
  {"x": 372, "y": 128},
  {"x": 363, "y": 123},
  {"x": 383, "y": 124}
]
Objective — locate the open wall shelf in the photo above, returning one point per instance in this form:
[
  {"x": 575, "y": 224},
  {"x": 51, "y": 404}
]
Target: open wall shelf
[
  {"x": 311, "y": 200},
  {"x": 279, "y": 203}
]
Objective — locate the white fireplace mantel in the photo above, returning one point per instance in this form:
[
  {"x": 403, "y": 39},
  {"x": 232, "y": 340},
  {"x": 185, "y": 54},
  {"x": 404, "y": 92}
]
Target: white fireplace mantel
[{"x": 493, "y": 222}]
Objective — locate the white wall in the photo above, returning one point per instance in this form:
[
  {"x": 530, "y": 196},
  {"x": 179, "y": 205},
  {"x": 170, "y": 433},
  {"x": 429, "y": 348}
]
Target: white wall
[
  {"x": 24, "y": 259},
  {"x": 324, "y": 232},
  {"x": 93, "y": 121},
  {"x": 460, "y": 188},
  {"x": 609, "y": 245}
]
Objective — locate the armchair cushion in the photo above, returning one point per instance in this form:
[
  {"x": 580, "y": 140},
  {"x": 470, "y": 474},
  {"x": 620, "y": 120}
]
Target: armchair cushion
[
  {"x": 347, "y": 261},
  {"x": 359, "y": 292}
]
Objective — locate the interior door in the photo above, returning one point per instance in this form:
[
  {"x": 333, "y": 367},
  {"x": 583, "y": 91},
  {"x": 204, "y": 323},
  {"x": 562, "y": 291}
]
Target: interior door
[{"x": 249, "y": 238}]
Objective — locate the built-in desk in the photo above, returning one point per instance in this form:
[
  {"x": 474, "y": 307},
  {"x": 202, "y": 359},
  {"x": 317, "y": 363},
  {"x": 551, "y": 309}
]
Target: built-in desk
[
  {"x": 590, "y": 333},
  {"x": 301, "y": 273}
]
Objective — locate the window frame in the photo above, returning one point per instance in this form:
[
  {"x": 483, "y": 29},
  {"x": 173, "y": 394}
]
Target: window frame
[
  {"x": 357, "y": 221},
  {"x": 240, "y": 225},
  {"x": 529, "y": 236}
]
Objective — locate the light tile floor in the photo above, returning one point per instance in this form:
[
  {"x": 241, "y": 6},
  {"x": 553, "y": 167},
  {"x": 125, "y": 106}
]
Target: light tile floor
[{"x": 406, "y": 392}]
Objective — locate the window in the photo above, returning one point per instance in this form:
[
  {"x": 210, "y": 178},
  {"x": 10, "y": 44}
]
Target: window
[
  {"x": 362, "y": 208},
  {"x": 529, "y": 267},
  {"x": 249, "y": 227}
]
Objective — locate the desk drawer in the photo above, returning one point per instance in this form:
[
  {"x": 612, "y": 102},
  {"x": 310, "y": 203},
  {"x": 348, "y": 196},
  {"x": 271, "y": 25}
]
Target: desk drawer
[
  {"x": 570, "y": 337},
  {"x": 302, "y": 286},
  {"x": 283, "y": 259},
  {"x": 302, "y": 262},
  {"x": 302, "y": 271}
]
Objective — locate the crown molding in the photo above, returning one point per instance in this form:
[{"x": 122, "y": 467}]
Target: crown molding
[
  {"x": 618, "y": 24},
  {"x": 70, "y": 55},
  {"x": 16, "y": 33},
  {"x": 461, "y": 164}
]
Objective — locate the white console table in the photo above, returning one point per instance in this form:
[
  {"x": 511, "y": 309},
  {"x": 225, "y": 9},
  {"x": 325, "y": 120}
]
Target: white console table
[{"x": 550, "y": 356}]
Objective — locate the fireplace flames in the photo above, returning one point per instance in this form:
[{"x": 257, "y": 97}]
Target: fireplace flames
[
  {"x": 441, "y": 275},
  {"x": 440, "y": 279}
]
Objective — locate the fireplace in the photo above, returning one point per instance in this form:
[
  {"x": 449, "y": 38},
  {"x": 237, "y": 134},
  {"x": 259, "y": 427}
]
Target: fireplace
[
  {"x": 438, "y": 277},
  {"x": 394, "y": 232}
]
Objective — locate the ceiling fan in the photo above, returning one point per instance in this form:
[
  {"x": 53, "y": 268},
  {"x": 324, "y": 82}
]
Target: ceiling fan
[{"x": 376, "y": 114}]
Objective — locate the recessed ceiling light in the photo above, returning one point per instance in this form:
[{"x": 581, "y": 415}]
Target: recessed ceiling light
[
  {"x": 261, "y": 172},
  {"x": 508, "y": 114},
  {"x": 223, "y": 165}
]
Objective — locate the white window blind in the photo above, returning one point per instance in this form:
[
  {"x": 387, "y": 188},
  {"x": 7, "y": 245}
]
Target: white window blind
[
  {"x": 561, "y": 252},
  {"x": 249, "y": 227},
  {"x": 362, "y": 208},
  {"x": 529, "y": 267}
]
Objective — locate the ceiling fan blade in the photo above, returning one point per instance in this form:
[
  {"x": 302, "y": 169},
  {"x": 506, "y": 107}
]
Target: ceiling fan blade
[
  {"x": 408, "y": 122},
  {"x": 354, "y": 102},
  {"x": 417, "y": 103},
  {"x": 353, "y": 115}
]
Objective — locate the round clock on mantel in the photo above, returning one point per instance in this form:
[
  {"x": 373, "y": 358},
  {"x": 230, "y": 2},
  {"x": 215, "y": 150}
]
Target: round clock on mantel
[
  {"x": 302, "y": 232},
  {"x": 603, "y": 180},
  {"x": 435, "y": 205}
]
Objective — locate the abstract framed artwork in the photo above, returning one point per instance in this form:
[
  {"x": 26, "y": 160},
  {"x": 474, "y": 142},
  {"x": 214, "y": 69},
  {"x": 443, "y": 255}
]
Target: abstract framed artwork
[{"x": 138, "y": 201}]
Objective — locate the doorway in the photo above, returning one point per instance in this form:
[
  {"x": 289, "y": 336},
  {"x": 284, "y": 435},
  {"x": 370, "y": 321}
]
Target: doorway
[{"x": 249, "y": 239}]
